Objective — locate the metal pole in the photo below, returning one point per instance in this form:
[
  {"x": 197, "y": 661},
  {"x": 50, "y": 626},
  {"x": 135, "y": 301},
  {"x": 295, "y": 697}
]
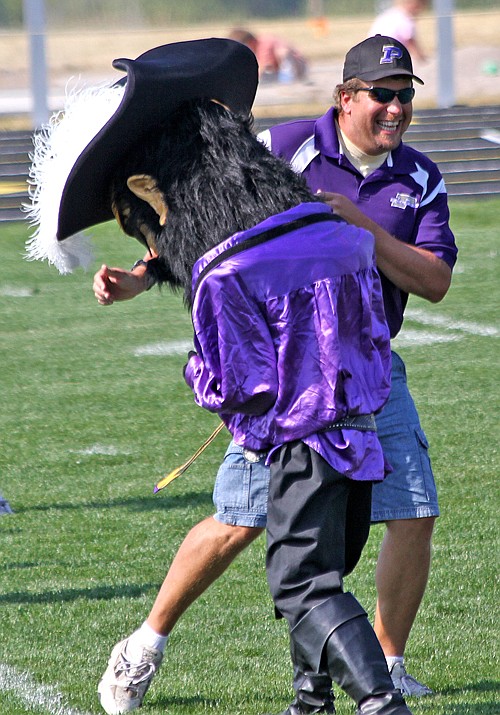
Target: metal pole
[
  {"x": 34, "y": 21},
  {"x": 444, "y": 10},
  {"x": 316, "y": 8}
]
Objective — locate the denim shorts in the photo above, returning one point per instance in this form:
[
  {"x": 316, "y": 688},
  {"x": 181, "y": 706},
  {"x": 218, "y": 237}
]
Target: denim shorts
[
  {"x": 409, "y": 492},
  {"x": 241, "y": 488}
]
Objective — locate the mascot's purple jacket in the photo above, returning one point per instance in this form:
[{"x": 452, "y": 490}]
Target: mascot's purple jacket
[{"x": 290, "y": 336}]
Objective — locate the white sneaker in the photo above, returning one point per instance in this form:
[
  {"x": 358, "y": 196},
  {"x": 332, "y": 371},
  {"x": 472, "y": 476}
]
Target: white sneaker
[
  {"x": 408, "y": 685},
  {"x": 124, "y": 684}
]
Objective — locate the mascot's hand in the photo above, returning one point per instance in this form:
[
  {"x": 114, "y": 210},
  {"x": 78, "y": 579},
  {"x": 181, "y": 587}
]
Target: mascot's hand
[
  {"x": 111, "y": 284},
  {"x": 344, "y": 208},
  {"x": 191, "y": 354}
]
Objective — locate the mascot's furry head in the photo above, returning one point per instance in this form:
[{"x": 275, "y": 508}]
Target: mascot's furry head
[{"x": 173, "y": 158}]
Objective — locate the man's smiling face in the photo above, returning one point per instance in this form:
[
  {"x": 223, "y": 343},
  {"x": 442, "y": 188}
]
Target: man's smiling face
[{"x": 373, "y": 127}]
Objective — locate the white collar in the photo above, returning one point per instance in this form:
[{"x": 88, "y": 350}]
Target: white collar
[{"x": 364, "y": 163}]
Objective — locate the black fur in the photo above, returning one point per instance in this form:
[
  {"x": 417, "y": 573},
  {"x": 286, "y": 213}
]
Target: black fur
[{"x": 216, "y": 177}]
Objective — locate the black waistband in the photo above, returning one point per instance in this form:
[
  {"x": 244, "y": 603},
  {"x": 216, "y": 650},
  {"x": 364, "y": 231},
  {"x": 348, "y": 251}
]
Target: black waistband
[{"x": 364, "y": 423}]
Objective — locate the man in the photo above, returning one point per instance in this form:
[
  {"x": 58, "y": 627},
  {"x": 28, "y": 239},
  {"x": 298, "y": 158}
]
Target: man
[
  {"x": 277, "y": 60},
  {"x": 355, "y": 155}
]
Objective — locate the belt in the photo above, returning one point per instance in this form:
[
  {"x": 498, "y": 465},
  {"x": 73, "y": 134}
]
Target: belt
[
  {"x": 251, "y": 456},
  {"x": 363, "y": 423}
]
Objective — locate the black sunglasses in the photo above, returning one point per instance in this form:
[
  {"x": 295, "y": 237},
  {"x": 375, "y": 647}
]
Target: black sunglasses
[{"x": 382, "y": 95}]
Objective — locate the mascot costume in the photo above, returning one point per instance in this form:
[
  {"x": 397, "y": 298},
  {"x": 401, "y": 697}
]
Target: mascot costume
[{"x": 291, "y": 346}]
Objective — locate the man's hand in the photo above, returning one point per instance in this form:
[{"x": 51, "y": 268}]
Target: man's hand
[
  {"x": 343, "y": 207},
  {"x": 111, "y": 284},
  {"x": 410, "y": 268}
]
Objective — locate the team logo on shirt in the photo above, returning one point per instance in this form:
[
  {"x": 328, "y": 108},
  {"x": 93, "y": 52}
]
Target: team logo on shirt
[
  {"x": 389, "y": 54},
  {"x": 401, "y": 201}
]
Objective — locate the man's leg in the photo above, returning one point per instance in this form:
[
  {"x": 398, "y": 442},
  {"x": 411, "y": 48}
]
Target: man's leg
[
  {"x": 240, "y": 495},
  {"x": 204, "y": 555},
  {"x": 401, "y": 577},
  {"x": 406, "y": 501}
]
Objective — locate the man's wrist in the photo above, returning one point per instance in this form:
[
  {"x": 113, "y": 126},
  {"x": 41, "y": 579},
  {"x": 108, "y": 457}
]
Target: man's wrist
[{"x": 149, "y": 275}]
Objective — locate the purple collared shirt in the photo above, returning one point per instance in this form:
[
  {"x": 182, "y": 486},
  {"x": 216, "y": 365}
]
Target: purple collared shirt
[{"x": 406, "y": 195}]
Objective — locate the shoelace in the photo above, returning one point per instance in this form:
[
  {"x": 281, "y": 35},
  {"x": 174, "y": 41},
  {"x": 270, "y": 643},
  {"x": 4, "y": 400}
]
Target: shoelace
[
  {"x": 134, "y": 673},
  {"x": 411, "y": 684}
]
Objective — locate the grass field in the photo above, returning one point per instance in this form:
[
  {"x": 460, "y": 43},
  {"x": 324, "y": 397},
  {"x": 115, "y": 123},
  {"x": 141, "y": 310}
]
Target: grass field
[{"x": 95, "y": 411}]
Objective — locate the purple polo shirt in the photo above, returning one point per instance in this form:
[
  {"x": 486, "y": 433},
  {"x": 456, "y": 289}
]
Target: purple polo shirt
[{"x": 406, "y": 195}]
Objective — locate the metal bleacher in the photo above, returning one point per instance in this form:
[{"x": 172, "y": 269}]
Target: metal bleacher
[{"x": 463, "y": 141}]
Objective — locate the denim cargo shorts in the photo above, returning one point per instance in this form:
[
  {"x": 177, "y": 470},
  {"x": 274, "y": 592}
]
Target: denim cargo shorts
[{"x": 409, "y": 492}]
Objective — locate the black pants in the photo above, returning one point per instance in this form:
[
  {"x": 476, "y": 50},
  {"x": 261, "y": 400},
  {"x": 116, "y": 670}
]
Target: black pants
[{"x": 318, "y": 522}]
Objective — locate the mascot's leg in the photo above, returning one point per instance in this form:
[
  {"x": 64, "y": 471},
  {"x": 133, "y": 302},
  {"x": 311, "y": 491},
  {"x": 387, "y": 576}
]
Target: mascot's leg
[
  {"x": 337, "y": 637},
  {"x": 309, "y": 512},
  {"x": 313, "y": 694}
]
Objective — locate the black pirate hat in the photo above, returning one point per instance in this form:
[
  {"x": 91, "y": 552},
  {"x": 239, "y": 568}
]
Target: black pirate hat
[
  {"x": 157, "y": 82},
  {"x": 75, "y": 156}
]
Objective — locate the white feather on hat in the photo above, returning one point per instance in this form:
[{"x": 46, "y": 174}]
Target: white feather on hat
[{"x": 57, "y": 146}]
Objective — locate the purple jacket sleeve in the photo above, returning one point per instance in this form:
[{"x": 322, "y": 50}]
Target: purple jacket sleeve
[{"x": 235, "y": 368}]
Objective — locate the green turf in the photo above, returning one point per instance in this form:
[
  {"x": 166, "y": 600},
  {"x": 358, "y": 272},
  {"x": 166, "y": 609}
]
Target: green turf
[{"x": 87, "y": 428}]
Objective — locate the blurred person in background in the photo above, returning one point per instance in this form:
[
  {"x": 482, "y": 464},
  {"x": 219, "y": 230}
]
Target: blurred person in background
[
  {"x": 399, "y": 22},
  {"x": 278, "y": 61}
]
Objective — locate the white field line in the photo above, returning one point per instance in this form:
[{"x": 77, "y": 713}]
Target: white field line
[
  {"x": 101, "y": 449},
  {"x": 179, "y": 347},
  {"x": 407, "y": 338},
  {"x": 15, "y": 292},
  {"x": 442, "y": 321},
  {"x": 413, "y": 338},
  {"x": 33, "y": 695}
]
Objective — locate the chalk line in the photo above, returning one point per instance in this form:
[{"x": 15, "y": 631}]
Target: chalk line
[
  {"x": 414, "y": 338},
  {"x": 16, "y": 292},
  {"x": 101, "y": 449},
  {"x": 34, "y": 695},
  {"x": 179, "y": 347},
  {"x": 443, "y": 321}
]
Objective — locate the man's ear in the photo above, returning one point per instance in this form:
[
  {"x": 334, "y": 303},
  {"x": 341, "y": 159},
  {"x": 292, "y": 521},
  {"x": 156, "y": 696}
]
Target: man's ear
[
  {"x": 146, "y": 188},
  {"x": 346, "y": 98}
]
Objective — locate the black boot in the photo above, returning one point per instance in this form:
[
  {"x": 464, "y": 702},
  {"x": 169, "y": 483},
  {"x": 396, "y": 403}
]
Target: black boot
[
  {"x": 336, "y": 637},
  {"x": 389, "y": 704},
  {"x": 313, "y": 695},
  {"x": 357, "y": 663}
]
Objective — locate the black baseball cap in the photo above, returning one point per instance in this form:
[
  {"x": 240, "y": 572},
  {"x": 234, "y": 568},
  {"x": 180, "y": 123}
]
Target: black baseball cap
[{"x": 378, "y": 57}]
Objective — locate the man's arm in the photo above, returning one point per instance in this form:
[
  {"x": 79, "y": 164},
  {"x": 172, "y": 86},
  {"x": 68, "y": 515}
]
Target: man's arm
[
  {"x": 412, "y": 269},
  {"x": 416, "y": 50},
  {"x": 112, "y": 284}
]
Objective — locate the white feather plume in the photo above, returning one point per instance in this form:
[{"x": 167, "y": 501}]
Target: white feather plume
[{"x": 57, "y": 146}]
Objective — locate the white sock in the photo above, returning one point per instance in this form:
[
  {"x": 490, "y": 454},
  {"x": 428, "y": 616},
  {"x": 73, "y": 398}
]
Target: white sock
[
  {"x": 393, "y": 659},
  {"x": 144, "y": 636}
]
